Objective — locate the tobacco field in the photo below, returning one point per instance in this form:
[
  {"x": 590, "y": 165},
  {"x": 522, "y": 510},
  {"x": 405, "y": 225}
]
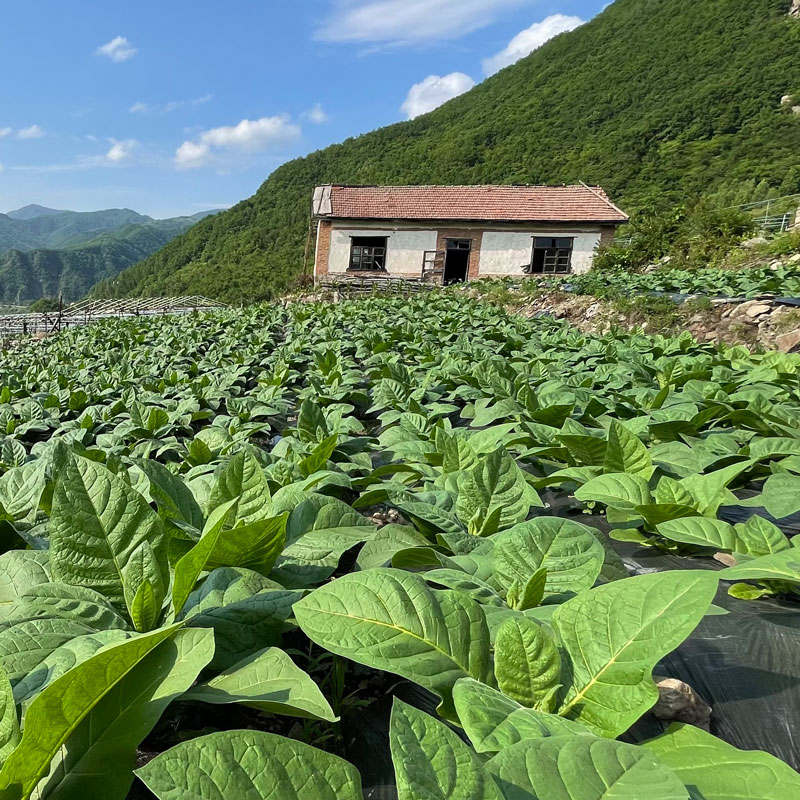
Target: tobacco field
[{"x": 224, "y": 534}]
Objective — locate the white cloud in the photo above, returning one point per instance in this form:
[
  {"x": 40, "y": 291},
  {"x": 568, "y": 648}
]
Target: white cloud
[
  {"x": 121, "y": 150},
  {"x": 317, "y": 115},
  {"x": 119, "y": 49},
  {"x": 249, "y": 136},
  {"x": 5, "y": 132},
  {"x": 31, "y": 132},
  {"x": 525, "y": 42},
  {"x": 434, "y": 91},
  {"x": 167, "y": 108},
  {"x": 408, "y": 21},
  {"x": 1, "y": 167}
]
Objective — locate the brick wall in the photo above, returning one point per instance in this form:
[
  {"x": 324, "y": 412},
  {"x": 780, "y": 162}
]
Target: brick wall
[
  {"x": 476, "y": 237},
  {"x": 323, "y": 248},
  {"x": 607, "y": 235}
]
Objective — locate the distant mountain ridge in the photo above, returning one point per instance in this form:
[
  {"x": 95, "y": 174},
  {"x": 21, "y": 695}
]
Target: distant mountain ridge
[
  {"x": 32, "y": 211},
  {"x": 45, "y": 252}
]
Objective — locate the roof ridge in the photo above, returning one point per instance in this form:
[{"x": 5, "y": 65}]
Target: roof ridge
[{"x": 604, "y": 197}]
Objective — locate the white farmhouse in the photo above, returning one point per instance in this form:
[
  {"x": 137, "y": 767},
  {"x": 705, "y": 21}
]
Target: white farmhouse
[{"x": 457, "y": 233}]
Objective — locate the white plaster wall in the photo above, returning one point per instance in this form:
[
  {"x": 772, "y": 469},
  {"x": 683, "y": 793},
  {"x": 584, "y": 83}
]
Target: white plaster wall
[
  {"x": 404, "y": 252},
  {"x": 505, "y": 253}
]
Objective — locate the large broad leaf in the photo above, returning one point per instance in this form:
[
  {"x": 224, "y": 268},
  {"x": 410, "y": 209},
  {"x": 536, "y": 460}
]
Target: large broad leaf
[
  {"x": 9, "y": 724},
  {"x": 526, "y": 663},
  {"x": 390, "y": 539},
  {"x": 98, "y": 522},
  {"x": 319, "y": 531},
  {"x": 247, "y": 625},
  {"x": 614, "y": 635},
  {"x": 24, "y": 645},
  {"x": 496, "y": 484},
  {"x": 60, "y": 600},
  {"x": 251, "y": 765},
  {"x": 757, "y": 537},
  {"x": 58, "y": 662},
  {"x": 21, "y": 570},
  {"x": 256, "y": 546},
  {"x": 783, "y": 566},
  {"x": 493, "y": 721},
  {"x": 626, "y": 453},
  {"x": 393, "y": 621},
  {"x": 432, "y": 762},
  {"x": 97, "y": 761},
  {"x": 715, "y": 770},
  {"x": 224, "y": 586},
  {"x": 583, "y": 768},
  {"x": 21, "y": 490},
  {"x": 63, "y": 705},
  {"x": 242, "y": 481},
  {"x": 270, "y": 681},
  {"x": 569, "y": 551},
  {"x": 781, "y": 495},
  {"x": 173, "y": 497},
  {"x": 616, "y": 490}
]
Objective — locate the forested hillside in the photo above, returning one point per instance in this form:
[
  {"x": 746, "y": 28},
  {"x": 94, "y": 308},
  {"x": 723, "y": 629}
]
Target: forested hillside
[
  {"x": 656, "y": 100},
  {"x": 71, "y": 272}
]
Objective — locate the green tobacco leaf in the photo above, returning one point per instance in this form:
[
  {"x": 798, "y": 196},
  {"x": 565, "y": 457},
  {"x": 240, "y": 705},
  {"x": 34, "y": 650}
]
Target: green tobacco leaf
[
  {"x": 242, "y": 481},
  {"x": 20, "y": 570},
  {"x": 189, "y": 568},
  {"x": 224, "y": 586},
  {"x": 98, "y": 522},
  {"x": 390, "y": 539},
  {"x": 145, "y": 587},
  {"x": 614, "y": 635},
  {"x": 319, "y": 531},
  {"x": 522, "y": 597},
  {"x": 24, "y": 645},
  {"x": 245, "y": 626},
  {"x": 569, "y": 551},
  {"x": 493, "y": 721},
  {"x": 21, "y": 490},
  {"x": 432, "y": 762},
  {"x": 55, "y": 714},
  {"x": 251, "y": 765},
  {"x": 760, "y": 537},
  {"x": 173, "y": 497},
  {"x": 98, "y": 759},
  {"x": 393, "y": 621},
  {"x": 9, "y": 724},
  {"x": 710, "y": 491},
  {"x": 56, "y": 663},
  {"x": 60, "y": 600},
  {"x": 583, "y": 768},
  {"x": 715, "y": 770},
  {"x": 270, "y": 681},
  {"x": 783, "y": 566},
  {"x": 618, "y": 491},
  {"x": 626, "y": 453},
  {"x": 496, "y": 482},
  {"x": 702, "y": 532},
  {"x": 526, "y": 663},
  {"x": 781, "y": 495}
]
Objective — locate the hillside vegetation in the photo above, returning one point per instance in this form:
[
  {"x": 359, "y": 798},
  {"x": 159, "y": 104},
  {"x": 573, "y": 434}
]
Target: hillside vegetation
[{"x": 656, "y": 100}]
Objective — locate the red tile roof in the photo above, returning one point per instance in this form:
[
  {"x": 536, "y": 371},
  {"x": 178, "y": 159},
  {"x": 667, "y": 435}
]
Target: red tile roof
[{"x": 469, "y": 203}]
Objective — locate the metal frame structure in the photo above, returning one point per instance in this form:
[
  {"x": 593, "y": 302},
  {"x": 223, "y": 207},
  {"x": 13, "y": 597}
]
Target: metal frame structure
[{"x": 89, "y": 311}]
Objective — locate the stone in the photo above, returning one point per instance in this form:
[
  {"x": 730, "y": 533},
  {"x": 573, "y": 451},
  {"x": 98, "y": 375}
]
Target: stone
[
  {"x": 788, "y": 342},
  {"x": 786, "y": 99},
  {"x": 751, "y": 310},
  {"x": 592, "y": 311},
  {"x": 794, "y": 259},
  {"x": 754, "y": 242},
  {"x": 679, "y": 702},
  {"x": 794, "y": 11}
]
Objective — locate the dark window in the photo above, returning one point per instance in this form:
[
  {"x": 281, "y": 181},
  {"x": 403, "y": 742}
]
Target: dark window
[
  {"x": 459, "y": 244},
  {"x": 551, "y": 256},
  {"x": 368, "y": 252}
]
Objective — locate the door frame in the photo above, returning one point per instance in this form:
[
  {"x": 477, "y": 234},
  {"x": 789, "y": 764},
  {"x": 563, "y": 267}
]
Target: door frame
[{"x": 467, "y": 251}]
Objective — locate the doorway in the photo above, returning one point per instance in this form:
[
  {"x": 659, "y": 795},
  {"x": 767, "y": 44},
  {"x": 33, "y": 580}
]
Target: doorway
[{"x": 456, "y": 264}]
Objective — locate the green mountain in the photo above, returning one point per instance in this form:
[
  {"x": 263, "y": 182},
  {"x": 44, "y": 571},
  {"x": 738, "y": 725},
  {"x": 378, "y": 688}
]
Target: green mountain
[
  {"x": 656, "y": 100},
  {"x": 32, "y": 274}
]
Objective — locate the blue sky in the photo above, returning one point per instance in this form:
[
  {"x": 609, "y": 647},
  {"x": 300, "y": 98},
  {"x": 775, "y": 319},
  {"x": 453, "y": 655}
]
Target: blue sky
[{"x": 173, "y": 106}]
